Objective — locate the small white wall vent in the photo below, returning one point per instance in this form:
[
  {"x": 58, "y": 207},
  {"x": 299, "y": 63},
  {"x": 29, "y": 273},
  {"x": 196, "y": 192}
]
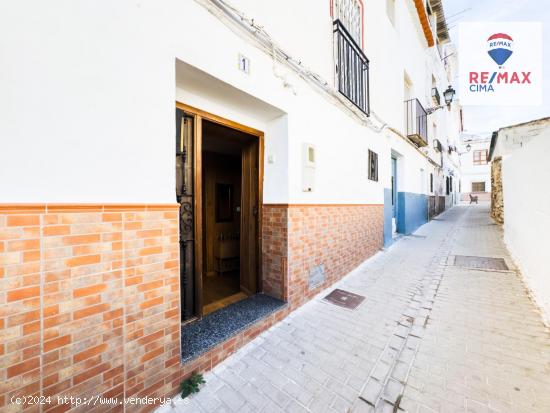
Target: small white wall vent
[{"x": 309, "y": 157}]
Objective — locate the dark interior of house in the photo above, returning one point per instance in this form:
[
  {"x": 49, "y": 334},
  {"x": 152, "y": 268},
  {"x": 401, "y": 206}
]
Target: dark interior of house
[{"x": 222, "y": 177}]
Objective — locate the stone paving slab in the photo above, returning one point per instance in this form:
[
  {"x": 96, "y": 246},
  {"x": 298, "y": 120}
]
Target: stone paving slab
[{"x": 428, "y": 337}]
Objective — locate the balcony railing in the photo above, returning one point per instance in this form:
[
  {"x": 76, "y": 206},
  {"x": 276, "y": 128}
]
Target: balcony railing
[
  {"x": 436, "y": 96},
  {"x": 416, "y": 122},
  {"x": 352, "y": 68}
]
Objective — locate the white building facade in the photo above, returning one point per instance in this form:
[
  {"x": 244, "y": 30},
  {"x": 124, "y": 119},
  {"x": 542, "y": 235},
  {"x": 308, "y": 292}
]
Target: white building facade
[
  {"x": 475, "y": 167},
  {"x": 306, "y": 136}
]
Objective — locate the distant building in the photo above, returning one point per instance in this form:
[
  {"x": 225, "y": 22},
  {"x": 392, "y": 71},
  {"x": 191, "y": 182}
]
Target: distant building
[{"x": 475, "y": 166}]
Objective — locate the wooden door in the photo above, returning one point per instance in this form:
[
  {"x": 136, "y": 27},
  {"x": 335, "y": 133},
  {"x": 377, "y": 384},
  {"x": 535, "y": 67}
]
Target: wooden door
[{"x": 250, "y": 216}]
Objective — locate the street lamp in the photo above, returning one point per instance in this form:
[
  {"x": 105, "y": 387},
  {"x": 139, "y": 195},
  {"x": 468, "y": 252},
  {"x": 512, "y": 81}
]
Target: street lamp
[
  {"x": 468, "y": 149},
  {"x": 448, "y": 95}
]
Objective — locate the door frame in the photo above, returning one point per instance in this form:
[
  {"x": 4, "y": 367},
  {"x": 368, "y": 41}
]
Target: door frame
[
  {"x": 394, "y": 186},
  {"x": 198, "y": 116}
]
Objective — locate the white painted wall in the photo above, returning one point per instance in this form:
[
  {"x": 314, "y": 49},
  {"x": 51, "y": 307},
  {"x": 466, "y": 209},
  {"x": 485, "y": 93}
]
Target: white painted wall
[
  {"x": 525, "y": 176},
  {"x": 88, "y": 91},
  {"x": 86, "y": 102}
]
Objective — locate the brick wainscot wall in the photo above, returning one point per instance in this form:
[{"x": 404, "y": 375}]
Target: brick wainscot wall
[
  {"x": 338, "y": 237},
  {"x": 89, "y": 302},
  {"x": 90, "y": 296}
]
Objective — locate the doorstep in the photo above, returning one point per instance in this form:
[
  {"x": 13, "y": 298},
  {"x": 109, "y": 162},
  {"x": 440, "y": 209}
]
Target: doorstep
[{"x": 202, "y": 335}]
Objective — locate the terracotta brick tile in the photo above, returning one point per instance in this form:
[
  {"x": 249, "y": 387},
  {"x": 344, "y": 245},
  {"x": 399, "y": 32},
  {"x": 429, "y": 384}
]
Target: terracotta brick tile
[
  {"x": 23, "y": 317},
  {"x": 90, "y": 352},
  {"x": 151, "y": 303},
  {"x": 112, "y": 314},
  {"x": 23, "y": 367},
  {"x": 83, "y": 260},
  {"x": 150, "y": 285},
  {"x": 56, "y": 343},
  {"x": 112, "y": 216},
  {"x": 31, "y": 352},
  {"x": 81, "y": 239},
  {"x": 23, "y": 293},
  {"x": 30, "y": 256},
  {"x": 149, "y": 233},
  {"x": 113, "y": 372},
  {"x": 57, "y": 388},
  {"x": 51, "y": 310},
  {"x": 150, "y": 251},
  {"x": 152, "y": 354},
  {"x": 92, "y": 289},
  {"x": 23, "y": 220},
  {"x": 31, "y": 328},
  {"x": 115, "y": 392},
  {"x": 22, "y": 245},
  {"x": 50, "y": 230},
  {"x": 86, "y": 312},
  {"x": 57, "y": 320}
]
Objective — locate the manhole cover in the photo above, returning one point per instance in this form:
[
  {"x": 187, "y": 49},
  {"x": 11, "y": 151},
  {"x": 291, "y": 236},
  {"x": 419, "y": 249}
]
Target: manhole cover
[
  {"x": 483, "y": 263},
  {"x": 345, "y": 299}
]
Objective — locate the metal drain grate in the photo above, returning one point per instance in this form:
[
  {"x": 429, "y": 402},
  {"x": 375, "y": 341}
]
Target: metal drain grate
[
  {"x": 345, "y": 299},
  {"x": 482, "y": 263}
]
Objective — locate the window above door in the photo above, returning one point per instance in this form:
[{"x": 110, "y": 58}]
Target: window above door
[
  {"x": 351, "y": 64},
  {"x": 350, "y": 14}
]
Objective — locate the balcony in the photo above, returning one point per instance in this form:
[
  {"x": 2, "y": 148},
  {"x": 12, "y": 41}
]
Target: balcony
[
  {"x": 436, "y": 96},
  {"x": 352, "y": 68},
  {"x": 416, "y": 122}
]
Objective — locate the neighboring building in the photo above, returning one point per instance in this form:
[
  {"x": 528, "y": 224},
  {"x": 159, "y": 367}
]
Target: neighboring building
[
  {"x": 305, "y": 136},
  {"x": 475, "y": 167},
  {"x": 519, "y": 156}
]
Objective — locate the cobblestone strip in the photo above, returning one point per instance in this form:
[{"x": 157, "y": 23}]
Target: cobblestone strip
[{"x": 384, "y": 388}]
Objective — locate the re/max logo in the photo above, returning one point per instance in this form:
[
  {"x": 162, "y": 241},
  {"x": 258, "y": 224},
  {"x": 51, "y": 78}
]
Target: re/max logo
[{"x": 484, "y": 81}]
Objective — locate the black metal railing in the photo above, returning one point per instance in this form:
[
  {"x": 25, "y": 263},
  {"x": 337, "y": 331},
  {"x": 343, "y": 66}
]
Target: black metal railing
[
  {"x": 436, "y": 96},
  {"x": 352, "y": 68},
  {"x": 416, "y": 122}
]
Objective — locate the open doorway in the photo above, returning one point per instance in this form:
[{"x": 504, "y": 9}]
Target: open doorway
[
  {"x": 218, "y": 168},
  {"x": 229, "y": 264}
]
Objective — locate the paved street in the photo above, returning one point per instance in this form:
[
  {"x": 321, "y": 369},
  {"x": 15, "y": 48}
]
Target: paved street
[{"x": 460, "y": 339}]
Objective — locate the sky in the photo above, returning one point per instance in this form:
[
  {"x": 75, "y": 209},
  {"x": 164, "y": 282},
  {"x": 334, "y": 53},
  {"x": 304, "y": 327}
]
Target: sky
[{"x": 485, "y": 119}]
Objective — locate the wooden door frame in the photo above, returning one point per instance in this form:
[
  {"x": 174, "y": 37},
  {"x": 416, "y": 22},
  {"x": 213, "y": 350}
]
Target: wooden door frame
[{"x": 199, "y": 115}]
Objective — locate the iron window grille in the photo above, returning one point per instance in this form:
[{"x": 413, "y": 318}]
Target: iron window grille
[
  {"x": 373, "y": 166},
  {"x": 350, "y": 13},
  {"x": 478, "y": 186},
  {"x": 416, "y": 122},
  {"x": 352, "y": 68}
]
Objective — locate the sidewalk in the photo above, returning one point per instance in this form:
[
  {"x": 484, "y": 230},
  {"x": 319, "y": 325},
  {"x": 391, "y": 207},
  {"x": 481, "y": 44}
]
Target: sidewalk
[{"x": 461, "y": 339}]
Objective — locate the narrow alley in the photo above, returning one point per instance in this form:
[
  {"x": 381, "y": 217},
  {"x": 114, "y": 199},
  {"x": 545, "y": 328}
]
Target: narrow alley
[{"x": 461, "y": 333}]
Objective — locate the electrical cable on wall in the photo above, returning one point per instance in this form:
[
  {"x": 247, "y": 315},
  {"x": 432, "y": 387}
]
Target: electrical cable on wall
[
  {"x": 238, "y": 22},
  {"x": 225, "y": 11}
]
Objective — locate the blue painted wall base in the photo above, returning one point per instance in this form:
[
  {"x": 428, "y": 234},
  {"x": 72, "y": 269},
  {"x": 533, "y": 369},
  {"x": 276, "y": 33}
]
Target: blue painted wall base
[
  {"x": 412, "y": 211},
  {"x": 388, "y": 240}
]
